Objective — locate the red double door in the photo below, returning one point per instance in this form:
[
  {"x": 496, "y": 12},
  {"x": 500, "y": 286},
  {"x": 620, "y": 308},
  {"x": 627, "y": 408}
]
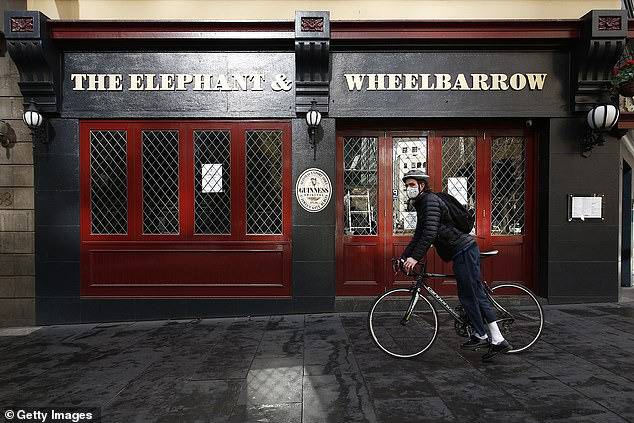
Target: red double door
[{"x": 490, "y": 169}]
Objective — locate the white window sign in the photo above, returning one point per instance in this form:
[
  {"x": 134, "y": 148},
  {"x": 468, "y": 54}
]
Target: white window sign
[
  {"x": 458, "y": 188},
  {"x": 409, "y": 220},
  {"x": 355, "y": 161},
  {"x": 211, "y": 177},
  {"x": 586, "y": 208}
]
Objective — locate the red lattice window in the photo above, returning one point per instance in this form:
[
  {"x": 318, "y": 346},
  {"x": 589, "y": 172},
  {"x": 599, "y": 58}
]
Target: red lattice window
[{"x": 185, "y": 209}]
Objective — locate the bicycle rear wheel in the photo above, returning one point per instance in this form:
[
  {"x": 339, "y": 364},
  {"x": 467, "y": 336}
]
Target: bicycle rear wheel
[
  {"x": 520, "y": 316},
  {"x": 403, "y": 323}
]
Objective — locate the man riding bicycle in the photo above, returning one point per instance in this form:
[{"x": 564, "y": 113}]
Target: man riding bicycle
[{"x": 434, "y": 226}]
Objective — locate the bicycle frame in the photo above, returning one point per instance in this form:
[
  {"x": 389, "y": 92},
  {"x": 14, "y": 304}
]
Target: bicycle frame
[{"x": 420, "y": 283}]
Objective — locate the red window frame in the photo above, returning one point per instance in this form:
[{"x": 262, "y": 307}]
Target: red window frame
[{"x": 238, "y": 242}]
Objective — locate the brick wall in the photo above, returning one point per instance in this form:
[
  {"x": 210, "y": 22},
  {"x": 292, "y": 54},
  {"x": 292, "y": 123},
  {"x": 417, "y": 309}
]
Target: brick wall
[{"x": 17, "y": 264}]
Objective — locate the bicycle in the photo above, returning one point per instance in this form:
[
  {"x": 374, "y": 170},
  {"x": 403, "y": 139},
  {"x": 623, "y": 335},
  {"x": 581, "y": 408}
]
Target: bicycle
[{"x": 404, "y": 323}]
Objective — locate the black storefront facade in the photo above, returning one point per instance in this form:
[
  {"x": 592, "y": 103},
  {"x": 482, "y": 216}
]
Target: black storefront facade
[{"x": 176, "y": 176}]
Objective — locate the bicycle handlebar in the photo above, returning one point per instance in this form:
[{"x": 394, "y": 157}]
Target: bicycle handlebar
[{"x": 397, "y": 265}]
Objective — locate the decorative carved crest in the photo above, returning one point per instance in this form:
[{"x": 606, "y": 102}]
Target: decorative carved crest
[
  {"x": 609, "y": 23},
  {"x": 312, "y": 24},
  {"x": 22, "y": 24}
]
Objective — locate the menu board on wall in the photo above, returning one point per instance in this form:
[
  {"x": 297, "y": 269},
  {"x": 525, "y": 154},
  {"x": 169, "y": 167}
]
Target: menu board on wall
[{"x": 585, "y": 207}]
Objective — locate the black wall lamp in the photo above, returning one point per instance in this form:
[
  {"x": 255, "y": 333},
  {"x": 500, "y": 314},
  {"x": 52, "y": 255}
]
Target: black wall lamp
[
  {"x": 313, "y": 119},
  {"x": 34, "y": 120},
  {"x": 600, "y": 119}
]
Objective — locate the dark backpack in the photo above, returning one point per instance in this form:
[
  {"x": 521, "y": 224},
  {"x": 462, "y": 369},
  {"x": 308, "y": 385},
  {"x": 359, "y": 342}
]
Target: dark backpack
[{"x": 462, "y": 218}]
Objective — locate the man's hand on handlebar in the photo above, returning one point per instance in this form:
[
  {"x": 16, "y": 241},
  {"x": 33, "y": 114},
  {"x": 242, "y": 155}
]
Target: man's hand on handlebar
[
  {"x": 409, "y": 264},
  {"x": 406, "y": 266}
]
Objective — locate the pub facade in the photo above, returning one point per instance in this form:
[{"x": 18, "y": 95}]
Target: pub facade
[{"x": 177, "y": 174}]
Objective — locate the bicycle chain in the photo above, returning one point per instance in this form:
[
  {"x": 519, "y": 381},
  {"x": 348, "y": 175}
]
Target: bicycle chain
[{"x": 462, "y": 329}]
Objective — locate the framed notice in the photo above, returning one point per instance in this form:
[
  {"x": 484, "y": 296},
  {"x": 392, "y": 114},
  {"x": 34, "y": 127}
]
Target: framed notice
[
  {"x": 211, "y": 177},
  {"x": 409, "y": 220},
  {"x": 584, "y": 207},
  {"x": 458, "y": 188}
]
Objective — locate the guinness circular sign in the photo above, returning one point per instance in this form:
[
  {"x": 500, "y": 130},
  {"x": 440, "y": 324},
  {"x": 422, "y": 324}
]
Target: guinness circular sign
[{"x": 313, "y": 190}]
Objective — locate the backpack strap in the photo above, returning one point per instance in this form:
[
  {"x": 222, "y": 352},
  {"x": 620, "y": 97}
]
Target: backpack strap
[{"x": 445, "y": 210}]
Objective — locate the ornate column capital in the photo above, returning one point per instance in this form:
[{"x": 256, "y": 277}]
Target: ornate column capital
[
  {"x": 36, "y": 57},
  {"x": 312, "y": 61},
  {"x": 603, "y": 38}
]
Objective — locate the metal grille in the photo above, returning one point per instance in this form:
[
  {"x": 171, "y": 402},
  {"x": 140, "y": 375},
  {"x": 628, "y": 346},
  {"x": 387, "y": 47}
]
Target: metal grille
[
  {"x": 212, "y": 182},
  {"x": 264, "y": 182},
  {"x": 507, "y": 186},
  {"x": 360, "y": 185},
  {"x": 459, "y": 169},
  {"x": 108, "y": 182},
  {"x": 160, "y": 182},
  {"x": 407, "y": 153}
]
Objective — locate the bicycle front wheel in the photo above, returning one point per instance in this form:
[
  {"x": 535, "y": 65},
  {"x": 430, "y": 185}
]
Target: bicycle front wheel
[
  {"x": 403, "y": 323},
  {"x": 520, "y": 316}
]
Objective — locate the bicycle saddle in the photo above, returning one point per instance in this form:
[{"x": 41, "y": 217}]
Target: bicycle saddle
[{"x": 488, "y": 253}]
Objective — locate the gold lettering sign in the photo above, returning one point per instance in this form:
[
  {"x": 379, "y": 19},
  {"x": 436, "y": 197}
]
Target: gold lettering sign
[
  {"x": 179, "y": 82},
  {"x": 444, "y": 81}
]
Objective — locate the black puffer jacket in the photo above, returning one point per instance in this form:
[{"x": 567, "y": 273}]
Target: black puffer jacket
[{"x": 434, "y": 226}]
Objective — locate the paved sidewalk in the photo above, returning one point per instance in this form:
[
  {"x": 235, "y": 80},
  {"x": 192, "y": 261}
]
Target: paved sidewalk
[{"x": 321, "y": 368}]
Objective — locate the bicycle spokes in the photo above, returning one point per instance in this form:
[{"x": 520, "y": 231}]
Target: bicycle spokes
[
  {"x": 519, "y": 315},
  {"x": 403, "y": 324}
]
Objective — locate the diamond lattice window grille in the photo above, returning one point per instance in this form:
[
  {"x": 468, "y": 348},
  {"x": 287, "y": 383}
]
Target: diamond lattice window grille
[
  {"x": 508, "y": 159},
  {"x": 264, "y": 182},
  {"x": 407, "y": 153},
  {"x": 459, "y": 169},
  {"x": 360, "y": 185},
  {"x": 160, "y": 182},
  {"x": 108, "y": 182},
  {"x": 212, "y": 182}
]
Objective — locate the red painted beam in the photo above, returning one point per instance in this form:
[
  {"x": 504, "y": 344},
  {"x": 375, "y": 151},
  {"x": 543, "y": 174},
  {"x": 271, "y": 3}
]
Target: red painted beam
[
  {"x": 516, "y": 29},
  {"x": 77, "y": 30}
]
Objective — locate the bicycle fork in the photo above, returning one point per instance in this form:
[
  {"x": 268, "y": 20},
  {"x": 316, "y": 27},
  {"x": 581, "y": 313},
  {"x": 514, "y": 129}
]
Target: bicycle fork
[{"x": 412, "y": 305}]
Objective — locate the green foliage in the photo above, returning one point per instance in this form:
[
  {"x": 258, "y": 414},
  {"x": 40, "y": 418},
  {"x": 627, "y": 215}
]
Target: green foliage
[{"x": 623, "y": 73}]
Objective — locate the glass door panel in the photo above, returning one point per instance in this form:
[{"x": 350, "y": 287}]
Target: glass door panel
[
  {"x": 360, "y": 184},
  {"x": 459, "y": 169},
  {"x": 408, "y": 153},
  {"x": 507, "y": 185}
]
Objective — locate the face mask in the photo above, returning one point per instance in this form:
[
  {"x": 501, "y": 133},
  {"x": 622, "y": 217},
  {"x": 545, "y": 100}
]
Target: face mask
[{"x": 412, "y": 192}]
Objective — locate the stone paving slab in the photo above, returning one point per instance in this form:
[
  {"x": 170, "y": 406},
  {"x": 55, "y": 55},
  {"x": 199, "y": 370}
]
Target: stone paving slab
[{"x": 321, "y": 368}]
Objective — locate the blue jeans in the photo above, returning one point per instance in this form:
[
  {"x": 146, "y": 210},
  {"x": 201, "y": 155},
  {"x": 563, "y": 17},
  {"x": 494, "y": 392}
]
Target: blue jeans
[{"x": 466, "y": 267}]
